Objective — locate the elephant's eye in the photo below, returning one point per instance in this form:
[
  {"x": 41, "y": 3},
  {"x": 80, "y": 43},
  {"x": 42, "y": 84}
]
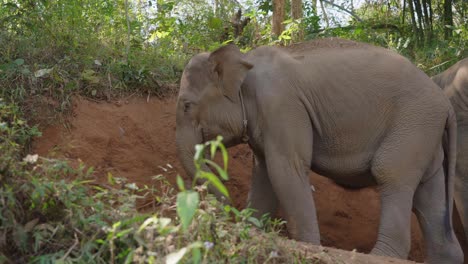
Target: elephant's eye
[{"x": 186, "y": 106}]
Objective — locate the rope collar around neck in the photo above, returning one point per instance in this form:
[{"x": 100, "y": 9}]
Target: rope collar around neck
[{"x": 245, "y": 136}]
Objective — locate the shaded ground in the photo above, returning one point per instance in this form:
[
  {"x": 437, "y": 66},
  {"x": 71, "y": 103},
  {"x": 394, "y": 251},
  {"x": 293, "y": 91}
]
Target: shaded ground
[{"x": 135, "y": 138}]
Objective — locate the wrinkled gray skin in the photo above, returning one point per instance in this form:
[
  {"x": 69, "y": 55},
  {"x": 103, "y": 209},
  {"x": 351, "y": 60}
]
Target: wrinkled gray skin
[
  {"x": 359, "y": 116},
  {"x": 454, "y": 82}
]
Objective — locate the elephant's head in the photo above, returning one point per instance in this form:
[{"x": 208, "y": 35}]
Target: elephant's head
[{"x": 208, "y": 102}]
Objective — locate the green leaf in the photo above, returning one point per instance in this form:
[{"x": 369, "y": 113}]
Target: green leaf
[
  {"x": 180, "y": 183},
  {"x": 215, "y": 181},
  {"x": 187, "y": 204},
  {"x": 221, "y": 172},
  {"x": 225, "y": 155},
  {"x": 255, "y": 221},
  {"x": 19, "y": 62},
  {"x": 196, "y": 255},
  {"x": 214, "y": 146},
  {"x": 215, "y": 23}
]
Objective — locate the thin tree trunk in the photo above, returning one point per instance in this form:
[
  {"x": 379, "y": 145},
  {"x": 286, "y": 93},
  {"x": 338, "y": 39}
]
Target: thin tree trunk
[
  {"x": 418, "y": 10},
  {"x": 427, "y": 23},
  {"x": 296, "y": 13},
  {"x": 296, "y": 9},
  {"x": 431, "y": 12},
  {"x": 127, "y": 49},
  {"x": 403, "y": 13},
  {"x": 278, "y": 17},
  {"x": 413, "y": 20},
  {"x": 448, "y": 18}
]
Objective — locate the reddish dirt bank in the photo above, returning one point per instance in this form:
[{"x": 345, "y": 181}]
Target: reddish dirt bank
[{"x": 136, "y": 139}]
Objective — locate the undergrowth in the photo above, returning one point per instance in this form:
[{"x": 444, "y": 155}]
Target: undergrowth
[{"x": 53, "y": 211}]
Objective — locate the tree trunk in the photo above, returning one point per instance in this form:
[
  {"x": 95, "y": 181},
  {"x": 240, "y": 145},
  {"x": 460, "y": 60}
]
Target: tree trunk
[
  {"x": 413, "y": 20},
  {"x": 325, "y": 16},
  {"x": 427, "y": 21},
  {"x": 448, "y": 18},
  {"x": 296, "y": 9},
  {"x": 403, "y": 13},
  {"x": 296, "y": 13},
  {"x": 418, "y": 9},
  {"x": 278, "y": 17}
]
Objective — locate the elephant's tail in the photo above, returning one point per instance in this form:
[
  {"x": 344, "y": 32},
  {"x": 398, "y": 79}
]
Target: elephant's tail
[{"x": 450, "y": 149}]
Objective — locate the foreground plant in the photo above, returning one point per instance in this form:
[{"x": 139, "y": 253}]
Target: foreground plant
[{"x": 53, "y": 211}]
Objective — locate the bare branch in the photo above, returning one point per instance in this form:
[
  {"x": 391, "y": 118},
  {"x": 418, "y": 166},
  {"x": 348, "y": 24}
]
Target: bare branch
[{"x": 343, "y": 9}]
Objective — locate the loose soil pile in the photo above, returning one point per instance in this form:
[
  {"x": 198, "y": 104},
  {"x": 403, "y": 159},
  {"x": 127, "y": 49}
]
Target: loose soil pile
[{"x": 135, "y": 138}]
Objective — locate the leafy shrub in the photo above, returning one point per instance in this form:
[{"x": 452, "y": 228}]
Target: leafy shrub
[{"x": 53, "y": 211}]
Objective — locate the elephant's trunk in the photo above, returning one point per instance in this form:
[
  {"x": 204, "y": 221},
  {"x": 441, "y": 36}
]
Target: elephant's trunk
[{"x": 187, "y": 136}]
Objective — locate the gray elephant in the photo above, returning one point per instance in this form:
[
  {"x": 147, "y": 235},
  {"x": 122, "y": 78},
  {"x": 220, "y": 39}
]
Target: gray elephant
[
  {"x": 454, "y": 82},
  {"x": 359, "y": 116}
]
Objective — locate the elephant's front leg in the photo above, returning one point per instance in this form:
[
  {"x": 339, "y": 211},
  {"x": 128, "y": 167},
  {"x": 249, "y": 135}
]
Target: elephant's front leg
[
  {"x": 261, "y": 195},
  {"x": 288, "y": 153}
]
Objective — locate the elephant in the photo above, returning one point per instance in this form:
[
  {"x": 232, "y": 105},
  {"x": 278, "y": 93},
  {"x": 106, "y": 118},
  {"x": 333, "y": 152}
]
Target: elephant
[
  {"x": 359, "y": 116},
  {"x": 454, "y": 82}
]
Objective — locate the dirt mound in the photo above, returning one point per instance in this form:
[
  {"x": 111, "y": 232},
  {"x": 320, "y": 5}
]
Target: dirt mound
[{"x": 135, "y": 138}]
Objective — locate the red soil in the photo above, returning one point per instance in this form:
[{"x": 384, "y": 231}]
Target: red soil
[{"x": 135, "y": 138}]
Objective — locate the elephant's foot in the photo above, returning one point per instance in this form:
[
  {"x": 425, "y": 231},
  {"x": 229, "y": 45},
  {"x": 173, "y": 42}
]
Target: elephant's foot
[
  {"x": 447, "y": 253},
  {"x": 383, "y": 249}
]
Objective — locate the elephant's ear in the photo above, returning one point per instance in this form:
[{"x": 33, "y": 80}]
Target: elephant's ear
[{"x": 231, "y": 68}]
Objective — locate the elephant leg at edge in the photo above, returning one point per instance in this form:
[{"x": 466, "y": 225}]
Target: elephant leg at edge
[
  {"x": 461, "y": 199},
  {"x": 430, "y": 207}
]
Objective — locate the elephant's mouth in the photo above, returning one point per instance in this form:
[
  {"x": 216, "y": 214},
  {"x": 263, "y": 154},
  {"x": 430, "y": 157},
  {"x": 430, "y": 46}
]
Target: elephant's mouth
[
  {"x": 228, "y": 141},
  {"x": 206, "y": 134}
]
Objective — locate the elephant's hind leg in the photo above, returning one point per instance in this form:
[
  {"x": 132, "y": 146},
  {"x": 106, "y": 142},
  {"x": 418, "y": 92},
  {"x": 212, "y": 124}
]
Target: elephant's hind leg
[
  {"x": 430, "y": 206},
  {"x": 394, "y": 236},
  {"x": 398, "y": 171}
]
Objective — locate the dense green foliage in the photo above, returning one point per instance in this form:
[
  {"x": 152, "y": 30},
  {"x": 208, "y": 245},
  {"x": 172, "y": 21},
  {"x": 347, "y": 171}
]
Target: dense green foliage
[
  {"x": 52, "y": 211},
  {"x": 103, "y": 48}
]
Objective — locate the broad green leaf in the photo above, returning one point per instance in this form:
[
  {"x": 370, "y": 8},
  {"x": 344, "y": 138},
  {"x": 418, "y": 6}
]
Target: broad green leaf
[
  {"x": 221, "y": 172},
  {"x": 196, "y": 255},
  {"x": 19, "y": 62},
  {"x": 255, "y": 221},
  {"x": 215, "y": 181},
  {"x": 187, "y": 204}
]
